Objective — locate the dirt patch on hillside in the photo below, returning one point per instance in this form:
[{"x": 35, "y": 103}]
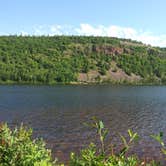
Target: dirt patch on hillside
[
  {"x": 120, "y": 75},
  {"x": 117, "y": 75},
  {"x": 90, "y": 77}
]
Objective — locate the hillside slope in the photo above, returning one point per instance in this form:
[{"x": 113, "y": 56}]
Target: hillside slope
[{"x": 78, "y": 59}]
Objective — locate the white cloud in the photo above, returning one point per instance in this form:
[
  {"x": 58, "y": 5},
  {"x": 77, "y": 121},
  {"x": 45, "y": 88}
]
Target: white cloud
[
  {"x": 122, "y": 32},
  {"x": 55, "y": 30},
  {"x": 40, "y": 30},
  {"x": 114, "y": 31},
  {"x": 23, "y": 33},
  {"x": 87, "y": 30},
  {"x": 100, "y": 30}
]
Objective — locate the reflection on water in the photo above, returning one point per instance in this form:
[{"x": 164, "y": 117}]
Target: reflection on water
[{"x": 57, "y": 113}]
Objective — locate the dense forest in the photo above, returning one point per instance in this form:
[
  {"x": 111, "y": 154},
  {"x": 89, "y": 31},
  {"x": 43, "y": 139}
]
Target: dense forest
[{"x": 78, "y": 59}]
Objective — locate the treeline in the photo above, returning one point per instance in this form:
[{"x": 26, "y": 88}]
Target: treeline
[{"x": 59, "y": 59}]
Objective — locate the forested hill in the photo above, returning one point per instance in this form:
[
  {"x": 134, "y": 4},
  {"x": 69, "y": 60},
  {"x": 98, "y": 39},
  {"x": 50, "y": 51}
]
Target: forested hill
[{"x": 75, "y": 59}]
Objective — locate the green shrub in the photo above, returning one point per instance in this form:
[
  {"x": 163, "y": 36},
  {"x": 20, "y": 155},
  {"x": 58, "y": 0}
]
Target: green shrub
[
  {"x": 159, "y": 139},
  {"x": 17, "y": 148},
  {"x": 91, "y": 157},
  {"x": 105, "y": 156}
]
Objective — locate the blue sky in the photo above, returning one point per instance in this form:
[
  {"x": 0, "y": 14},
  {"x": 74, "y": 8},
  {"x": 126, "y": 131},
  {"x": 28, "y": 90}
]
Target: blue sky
[{"x": 142, "y": 20}]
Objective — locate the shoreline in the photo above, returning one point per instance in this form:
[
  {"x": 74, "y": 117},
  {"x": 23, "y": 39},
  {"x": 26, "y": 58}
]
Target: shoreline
[{"x": 85, "y": 83}]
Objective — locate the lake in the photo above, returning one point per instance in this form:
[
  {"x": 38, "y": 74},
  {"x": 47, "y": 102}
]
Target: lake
[{"x": 57, "y": 114}]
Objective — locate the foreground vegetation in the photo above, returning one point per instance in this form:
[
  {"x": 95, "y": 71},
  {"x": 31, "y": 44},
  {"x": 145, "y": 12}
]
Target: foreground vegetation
[
  {"x": 17, "y": 148},
  {"x": 60, "y": 59}
]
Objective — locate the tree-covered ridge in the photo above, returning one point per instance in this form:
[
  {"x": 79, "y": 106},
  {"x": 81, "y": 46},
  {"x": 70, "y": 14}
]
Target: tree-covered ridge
[{"x": 60, "y": 59}]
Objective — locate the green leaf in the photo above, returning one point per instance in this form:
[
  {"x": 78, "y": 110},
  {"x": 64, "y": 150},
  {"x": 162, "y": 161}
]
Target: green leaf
[{"x": 101, "y": 125}]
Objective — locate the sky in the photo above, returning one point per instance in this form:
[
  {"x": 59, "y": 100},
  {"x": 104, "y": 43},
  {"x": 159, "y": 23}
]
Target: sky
[{"x": 142, "y": 20}]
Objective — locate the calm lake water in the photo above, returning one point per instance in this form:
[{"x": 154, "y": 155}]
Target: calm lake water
[{"x": 57, "y": 113}]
